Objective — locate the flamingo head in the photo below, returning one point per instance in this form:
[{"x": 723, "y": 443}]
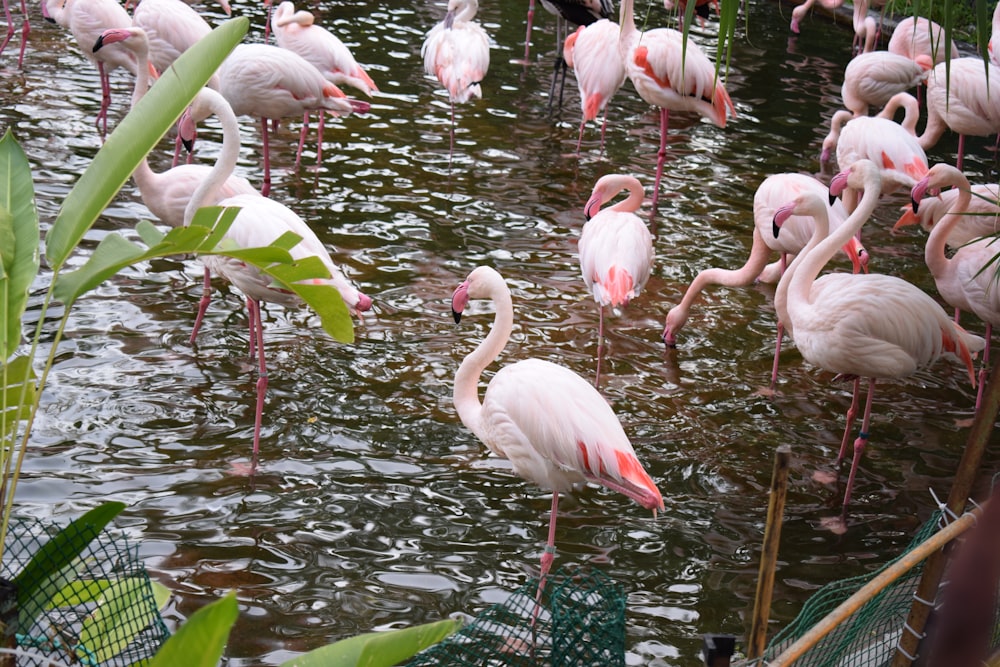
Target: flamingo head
[
  {"x": 364, "y": 303},
  {"x": 111, "y": 36},
  {"x": 781, "y": 215},
  {"x": 918, "y": 192},
  {"x": 837, "y": 185},
  {"x": 459, "y": 301},
  {"x": 187, "y": 129},
  {"x": 676, "y": 318}
]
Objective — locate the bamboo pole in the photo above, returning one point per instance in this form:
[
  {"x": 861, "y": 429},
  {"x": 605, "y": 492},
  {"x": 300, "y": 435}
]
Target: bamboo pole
[
  {"x": 849, "y": 606},
  {"x": 979, "y": 436},
  {"x": 769, "y": 554}
]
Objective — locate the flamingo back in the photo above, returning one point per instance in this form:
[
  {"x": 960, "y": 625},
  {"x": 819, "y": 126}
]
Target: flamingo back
[{"x": 598, "y": 65}]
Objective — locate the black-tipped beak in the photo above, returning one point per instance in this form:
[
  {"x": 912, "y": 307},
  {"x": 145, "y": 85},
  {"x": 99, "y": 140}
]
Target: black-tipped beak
[
  {"x": 915, "y": 204},
  {"x": 98, "y": 44},
  {"x": 833, "y": 200},
  {"x": 188, "y": 144},
  {"x": 457, "y": 315},
  {"x": 775, "y": 228}
]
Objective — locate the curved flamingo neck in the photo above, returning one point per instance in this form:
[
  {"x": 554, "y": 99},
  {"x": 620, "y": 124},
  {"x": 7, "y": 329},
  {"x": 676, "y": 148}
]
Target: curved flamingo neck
[
  {"x": 823, "y": 244},
  {"x": 635, "y": 195},
  {"x": 629, "y": 33},
  {"x": 466, "y": 389},
  {"x": 934, "y": 251},
  {"x": 226, "y": 162}
]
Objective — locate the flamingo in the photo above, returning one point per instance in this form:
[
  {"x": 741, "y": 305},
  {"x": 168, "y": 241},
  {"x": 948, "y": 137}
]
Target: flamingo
[
  {"x": 457, "y": 52},
  {"x": 913, "y": 37},
  {"x": 616, "y": 249},
  {"x": 909, "y": 104},
  {"x": 298, "y": 32},
  {"x": 555, "y": 428},
  {"x": 774, "y": 191},
  {"x": 964, "y": 97},
  {"x": 166, "y": 194},
  {"x": 897, "y": 153},
  {"x": 172, "y": 27},
  {"x": 25, "y": 29},
  {"x": 866, "y": 28},
  {"x": 86, "y": 20},
  {"x": 259, "y": 223},
  {"x": 978, "y": 218},
  {"x": 862, "y": 325},
  {"x": 672, "y": 76},
  {"x": 966, "y": 280},
  {"x": 701, "y": 10},
  {"x": 799, "y": 11},
  {"x": 592, "y": 52},
  {"x": 871, "y": 79},
  {"x": 269, "y": 82}
]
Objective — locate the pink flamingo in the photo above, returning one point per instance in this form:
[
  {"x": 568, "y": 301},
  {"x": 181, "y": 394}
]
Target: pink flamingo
[
  {"x": 298, "y": 32},
  {"x": 577, "y": 12},
  {"x": 166, "y": 194},
  {"x": 86, "y": 20},
  {"x": 871, "y": 79},
  {"x": 171, "y": 27},
  {"x": 672, "y": 76},
  {"x": 920, "y": 36},
  {"x": 799, "y": 11},
  {"x": 616, "y": 249},
  {"x": 268, "y": 82},
  {"x": 978, "y": 218},
  {"x": 862, "y": 325},
  {"x": 25, "y": 29},
  {"x": 866, "y": 28},
  {"x": 964, "y": 97},
  {"x": 592, "y": 52},
  {"x": 965, "y": 280},
  {"x": 701, "y": 10},
  {"x": 259, "y": 223},
  {"x": 457, "y": 52},
  {"x": 907, "y": 102},
  {"x": 991, "y": 47},
  {"x": 774, "y": 191},
  {"x": 556, "y": 429}
]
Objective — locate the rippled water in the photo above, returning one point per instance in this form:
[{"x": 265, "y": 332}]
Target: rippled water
[{"x": 373, "y": 506}]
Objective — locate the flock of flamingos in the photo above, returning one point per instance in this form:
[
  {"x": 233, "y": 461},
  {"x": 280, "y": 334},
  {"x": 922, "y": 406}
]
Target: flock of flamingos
[{"x": 553, "y": 425}]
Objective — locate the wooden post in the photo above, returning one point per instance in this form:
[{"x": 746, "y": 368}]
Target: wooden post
[
  {"x": 769, "y": 554},
  {"x": 961, "y": 488}
]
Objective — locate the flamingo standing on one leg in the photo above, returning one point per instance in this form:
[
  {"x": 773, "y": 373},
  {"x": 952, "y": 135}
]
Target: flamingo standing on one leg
[
  {"x": 457, "y": 52},
  {"x": 298, "y": 32},
  {"x": 270, "y": 83},
  {"x": 259, "y": 223},
  {"x": 671, "y": 76},
  {"x": 965, "y": 280},
  {"x": 871, "y": 79},
  {"x": 862, "y": 325},
  {"x": 616, "y": 249},
  {"x": 552, "y": 425},
  {"x": 592, "y": 51},
  {"x": 773, "y": 192}
]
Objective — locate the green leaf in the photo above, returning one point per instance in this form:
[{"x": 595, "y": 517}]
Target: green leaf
[
  {"x": 45, "y": 574},
  {"x": 19, "y": 241},
  {"x": 77, "y": 592},
  {"x": 125, "y": 609},
  {"x": 205, "y": 236},
  {"x": 18, "y": 394},
  {"x": 377, "y": 649},
  {"x": 200, "y": 641},
  {"x": 136, "y": 135},
  {"x": 161, "y": 594}
]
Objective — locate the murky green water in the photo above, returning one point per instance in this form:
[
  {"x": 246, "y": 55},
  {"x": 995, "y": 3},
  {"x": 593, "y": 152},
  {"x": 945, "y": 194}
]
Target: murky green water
[{"x": 373, "y": 506}]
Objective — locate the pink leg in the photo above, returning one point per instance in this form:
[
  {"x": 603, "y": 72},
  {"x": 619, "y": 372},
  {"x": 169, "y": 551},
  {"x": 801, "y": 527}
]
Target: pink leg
[
  {"x": 985, "y": 368},
  {"x": 852, "y": 412},
  {"x": 319, "y": 138},
  {"x": 177, "y": 151},
  {"x": 302, "y": 139},
  {"x": 549, "y": 555},
  {"x": 265, "y": 189},
  {"x": 859, "y": 446},
  {"x": 102, "y": 115},
  {"x": 579, "y": 141},
  {"x": 25, "y": 29},
  {"x": 261, "y": 376},
  {"x": 267, "y": 23},
  {"x": 252, "y": 325},
  {"x": 10, "y": 25},
  {"x": 604, "y": 128},
  {"x": 961, "y": 151},
  {"x": 600, "y": 344},
  {"x": 661, "y": 156},
  {"x": 206, "y": 298},
  {"x": 527, "y": 35},
  {"x": 781, "y": 334},
  {"x": 451, "y": 150}
]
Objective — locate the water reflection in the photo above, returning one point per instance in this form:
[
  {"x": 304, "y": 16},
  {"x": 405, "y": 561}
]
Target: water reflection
[{"x": 373, "y": 506}]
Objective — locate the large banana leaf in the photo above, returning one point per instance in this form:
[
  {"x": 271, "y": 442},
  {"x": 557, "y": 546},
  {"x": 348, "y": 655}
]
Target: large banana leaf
[
  {"x": 19, "y": 241},
  {"x": 377, "y": 649},
  {"x": 136, "y": 135},
  {"x": 200, "y": 641}
]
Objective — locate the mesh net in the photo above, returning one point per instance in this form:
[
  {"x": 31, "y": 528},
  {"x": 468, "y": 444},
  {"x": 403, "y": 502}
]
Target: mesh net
[
  {"x": 868, "y": 637},
  {"x": 581, "y": 623},
  {"x": 105, "y": 613}
]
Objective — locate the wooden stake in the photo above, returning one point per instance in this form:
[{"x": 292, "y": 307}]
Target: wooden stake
[{"x": 769, "y": 554}]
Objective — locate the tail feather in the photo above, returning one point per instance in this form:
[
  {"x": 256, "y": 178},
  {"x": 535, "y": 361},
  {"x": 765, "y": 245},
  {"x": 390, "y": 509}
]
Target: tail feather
[
  {"x": 617, "y": 288},
  {"x": 722, "y": 103},
  {"x": 592, "y": 107},
  {"x": 963, "y": 345}
]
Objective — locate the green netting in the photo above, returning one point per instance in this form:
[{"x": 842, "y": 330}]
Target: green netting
[
  {"x": 581, "y": 623},
  {"x": 868, "y": 637},
  {"x": 106, "y": 615}
]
